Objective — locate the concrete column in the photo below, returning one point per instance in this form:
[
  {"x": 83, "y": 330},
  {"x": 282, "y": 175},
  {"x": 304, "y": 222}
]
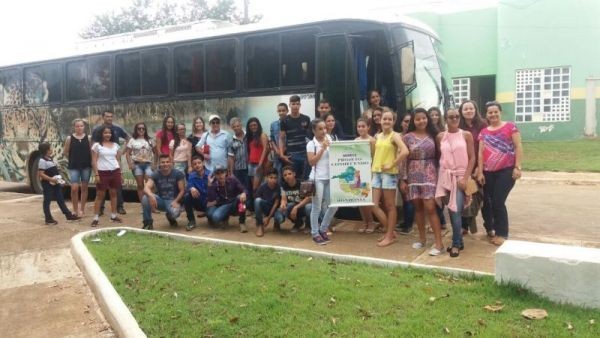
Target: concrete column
[{"x": 590, "y": 107}]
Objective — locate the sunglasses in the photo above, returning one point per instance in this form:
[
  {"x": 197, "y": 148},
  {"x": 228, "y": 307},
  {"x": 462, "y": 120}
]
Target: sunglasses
[{"x": 141, "y": 128}]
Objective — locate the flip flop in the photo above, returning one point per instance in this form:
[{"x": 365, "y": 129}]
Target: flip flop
[{"x": 383, "y": 243}]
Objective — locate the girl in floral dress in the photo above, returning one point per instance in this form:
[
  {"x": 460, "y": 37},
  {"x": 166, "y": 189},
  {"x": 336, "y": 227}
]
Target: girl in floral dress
[{"x": 420, "y": 178}]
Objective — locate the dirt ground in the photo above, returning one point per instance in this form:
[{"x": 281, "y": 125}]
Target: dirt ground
[{"x": 43, "y": 293}]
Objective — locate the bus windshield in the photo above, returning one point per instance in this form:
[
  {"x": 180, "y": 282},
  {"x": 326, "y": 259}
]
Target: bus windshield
[{"x": 429, "y": 90}]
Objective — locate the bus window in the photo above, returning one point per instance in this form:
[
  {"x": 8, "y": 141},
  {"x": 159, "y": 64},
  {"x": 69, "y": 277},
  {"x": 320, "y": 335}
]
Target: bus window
[
  {"x": 77, "y": 81},
  {"x": 99, "y": 77},
  {"x": 43, "y": 84},
  {"x": 154, "y": 73},
  {"x": 262, "y": 61},
  {"x": 189, "y": 69},
  {"x": 128, "y": 74},
  {"x": 298, "y": 58},
  {"x": 10, "y": 87},
  {"x": 220, "y": 66}
]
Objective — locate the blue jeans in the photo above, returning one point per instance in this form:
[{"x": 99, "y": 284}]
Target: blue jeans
[
  {"x": 408, "y": 212},
  {"x": 162, "y": 205},
  {"x": 217, "y": 214},
  {"x": 192, "y": 204},
  {"x": 300, "y": 164},
  {"x": 242, "y": 176},
  {"x": 53, "y": 191},
  {"x": 320, "y": 201},
  {"x": 300, "y": 215},
  {"x": 261, "y": 207},
  {"x": 456, "y": 219}
]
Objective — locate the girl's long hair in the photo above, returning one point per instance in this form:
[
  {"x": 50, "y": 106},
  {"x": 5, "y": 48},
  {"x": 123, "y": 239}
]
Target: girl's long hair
[
  {"x": 164, "y": 137},
  {"x": 477, "y": 120},
  {"x": 176, "y": 138},
  {"x": 250, "y": 136},
  {"x": 430, "y": 129},
  {"x": 440, "y": 124},
  {"x": 197, "y": 118},
  {"x": 135, "y": 131}
]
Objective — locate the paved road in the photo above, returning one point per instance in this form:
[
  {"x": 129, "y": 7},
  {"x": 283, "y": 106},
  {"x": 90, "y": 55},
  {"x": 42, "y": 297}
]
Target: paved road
[{"x": 43, "y": 293}]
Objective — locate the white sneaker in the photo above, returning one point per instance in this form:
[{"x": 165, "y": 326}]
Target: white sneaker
[
  {"x": 435, "y": 252},
  {"x": 418, "y": 245}
]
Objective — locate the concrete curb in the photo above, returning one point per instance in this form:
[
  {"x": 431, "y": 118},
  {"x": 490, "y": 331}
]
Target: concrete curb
[{"x": 123, "y": 322}]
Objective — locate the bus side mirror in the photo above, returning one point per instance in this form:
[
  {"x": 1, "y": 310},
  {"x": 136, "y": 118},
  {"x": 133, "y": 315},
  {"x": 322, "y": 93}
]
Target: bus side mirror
[{"x": 407, "y": 64}]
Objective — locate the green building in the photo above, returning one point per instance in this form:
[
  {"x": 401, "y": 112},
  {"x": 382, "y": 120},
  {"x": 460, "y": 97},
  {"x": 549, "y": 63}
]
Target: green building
[{"x": 539, "y": 58}]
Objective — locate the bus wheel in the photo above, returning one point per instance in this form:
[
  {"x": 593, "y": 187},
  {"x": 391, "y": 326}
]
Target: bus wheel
[{"x": 34, "y": 178}]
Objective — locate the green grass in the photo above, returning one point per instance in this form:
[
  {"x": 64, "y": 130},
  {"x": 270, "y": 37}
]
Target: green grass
[
  {"x": 569, "y": 156},
  {"x": 182, "y": 289}
]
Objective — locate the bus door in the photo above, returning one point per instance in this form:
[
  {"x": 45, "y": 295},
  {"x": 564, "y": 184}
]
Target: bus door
[{"x": 337, "y": 79}]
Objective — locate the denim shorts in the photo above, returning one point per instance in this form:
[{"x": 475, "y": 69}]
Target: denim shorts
[
  {"x": 252, "y": 169},
  {"x": 141, "y": 168},
  {"x": 181, "y": 166},
  {"x": 80, "y": 175},
  {"x": 384, "y": 181}
]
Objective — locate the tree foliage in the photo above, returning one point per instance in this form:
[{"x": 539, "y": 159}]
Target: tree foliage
[{"x": 148, "y": 14}]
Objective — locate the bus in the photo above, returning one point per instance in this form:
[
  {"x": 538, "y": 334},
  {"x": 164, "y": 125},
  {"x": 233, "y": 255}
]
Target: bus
[{"x": 230, "y": 70}]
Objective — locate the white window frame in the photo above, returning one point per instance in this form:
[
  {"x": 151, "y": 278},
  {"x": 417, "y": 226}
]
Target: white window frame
[{"x": 543, "y": 94}]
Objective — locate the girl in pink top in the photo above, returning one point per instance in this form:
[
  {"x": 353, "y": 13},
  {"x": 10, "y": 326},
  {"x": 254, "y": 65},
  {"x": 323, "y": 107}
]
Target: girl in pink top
[
  {"x": 165, "y": 135},
  {"x": 456, "y": 163},
  {"x": 499, "y": 165}
]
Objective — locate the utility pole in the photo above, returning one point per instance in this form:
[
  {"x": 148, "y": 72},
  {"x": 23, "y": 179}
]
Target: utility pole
[{"x": 246, "y": 18}]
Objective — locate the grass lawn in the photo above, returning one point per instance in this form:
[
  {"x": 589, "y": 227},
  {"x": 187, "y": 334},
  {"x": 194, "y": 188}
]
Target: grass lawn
[
  {"x": 570, "y": 156},
  {"x": 182, "y": 289}
]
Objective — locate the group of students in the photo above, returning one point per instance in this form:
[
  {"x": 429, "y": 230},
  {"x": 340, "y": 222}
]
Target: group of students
[{"x": 428, "y": 163}]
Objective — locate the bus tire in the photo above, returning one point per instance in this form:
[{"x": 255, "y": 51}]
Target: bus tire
[{"x": 34, "y": 178}]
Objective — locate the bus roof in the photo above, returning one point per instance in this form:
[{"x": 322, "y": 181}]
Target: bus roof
[{"x": 206, "y": 29}]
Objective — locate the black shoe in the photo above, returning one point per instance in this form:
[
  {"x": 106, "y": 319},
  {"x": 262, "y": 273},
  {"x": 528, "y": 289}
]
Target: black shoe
[
  {"x": 190, "y": 226},
  {"x": 147, "y": 225},
  {"x": 405, "y": 231},
  {"x": 121, "y": 211},
  {"x": 101, "y": 212},
  {"x": 51, "y": 221},
  {"x": 116, "y": 220},
  {"x": 94, "y": 223},
  {"x": 449, "y": 249},
  {"x": 72, "y": 217},
  {"x": 172, "y": 221}
]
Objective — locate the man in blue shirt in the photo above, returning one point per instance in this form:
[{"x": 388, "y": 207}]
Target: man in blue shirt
[
  {"x": 282, "y": 110},
  {"x": 218, "y": 142},
  {"x": 196, "y": 191},
  {"x": 117, "y": 133}
]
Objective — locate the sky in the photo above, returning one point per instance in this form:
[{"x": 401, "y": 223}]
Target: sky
[{"x": 30, "y": 28}]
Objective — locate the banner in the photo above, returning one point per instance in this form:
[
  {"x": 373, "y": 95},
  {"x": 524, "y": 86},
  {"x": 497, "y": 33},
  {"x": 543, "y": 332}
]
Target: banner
[{"x": 350, "y": 173}]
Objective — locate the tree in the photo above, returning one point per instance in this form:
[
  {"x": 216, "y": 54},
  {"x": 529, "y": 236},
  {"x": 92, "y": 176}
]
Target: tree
[{"x": 148, "y": 14}]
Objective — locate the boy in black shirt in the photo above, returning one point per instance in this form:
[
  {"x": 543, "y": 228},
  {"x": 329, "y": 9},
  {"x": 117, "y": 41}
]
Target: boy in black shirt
[
  {"x": 293, "y": 205},
  {"x": 292, "y": 138},
  {"x": 52, "y": 185},
  {"x": 267, "y": 199}
]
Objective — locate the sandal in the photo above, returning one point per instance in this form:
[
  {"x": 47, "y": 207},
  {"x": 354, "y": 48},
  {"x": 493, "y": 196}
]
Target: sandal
[
  {"x": 395, "y": 234},
  {"x": 386, "y": 242},
  {"x": 364, "y": 229},
  {"x": 497, "y": 241}
]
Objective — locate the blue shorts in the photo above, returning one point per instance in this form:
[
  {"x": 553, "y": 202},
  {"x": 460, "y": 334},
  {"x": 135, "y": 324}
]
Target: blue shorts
[
  {"x": 384, "y": 181},
  {"x": 142, "y": 168},
  {"x": 80, "y": 175},
  {"x": 252, "y": 170}
]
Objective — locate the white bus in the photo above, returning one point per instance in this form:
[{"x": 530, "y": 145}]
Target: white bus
[{"x": 241, "y": 71}]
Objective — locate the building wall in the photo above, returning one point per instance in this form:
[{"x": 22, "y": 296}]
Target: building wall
[{"x": 526, "y": 34}]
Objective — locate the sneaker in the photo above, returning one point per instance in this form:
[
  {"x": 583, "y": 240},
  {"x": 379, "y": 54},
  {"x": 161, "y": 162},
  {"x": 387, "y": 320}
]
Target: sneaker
[
  {"x": 147, "y": 225},
  {"x": 449, "y": 249},
  {"x": 435, "y": 252},
  {"x": 51, "y": 221},
  {"x": 276, "y": 226},
  {"x": 190, "y": 226},
  {"x": 95, "y": 223},
  {"x": 121, "y": 211},
  {"x": 405, "y": 231},
  {"x": 73, "y": 217},
  {"x": 418, "y": 245},
  {"x": 243, "y": 228},
  {"x": 319, "y": 240},
  {"x": 116, "y": 220},
  {"x": 325, "y": 237}
]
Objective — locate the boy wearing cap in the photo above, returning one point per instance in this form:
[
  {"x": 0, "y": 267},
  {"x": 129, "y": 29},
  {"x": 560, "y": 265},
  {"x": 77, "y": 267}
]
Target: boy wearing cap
[
  {"x": 214, "y": 145},
  {"x": 225, "y": 195}
]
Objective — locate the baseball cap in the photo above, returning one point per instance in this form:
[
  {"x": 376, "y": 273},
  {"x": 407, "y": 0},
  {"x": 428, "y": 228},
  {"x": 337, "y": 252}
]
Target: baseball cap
[
  {"x": 213, "y": 116},
  {"x": 219, "y": 168}
]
